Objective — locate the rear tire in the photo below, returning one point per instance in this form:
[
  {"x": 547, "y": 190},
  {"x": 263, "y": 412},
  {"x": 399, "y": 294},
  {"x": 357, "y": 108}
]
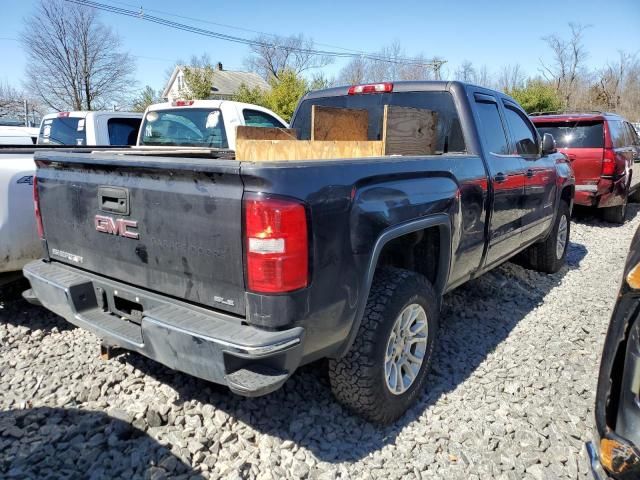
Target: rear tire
[
  {"x": 549, "y": 256},
  {"x": 615, "y": 214},
  {"x": 635, "y": 196},
  {"x": 385, "y": 370}
]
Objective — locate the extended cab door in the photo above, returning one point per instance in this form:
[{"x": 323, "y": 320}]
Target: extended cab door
[
  {"x": 506, "y": 174},
  {"x": 540, "y": 173}
]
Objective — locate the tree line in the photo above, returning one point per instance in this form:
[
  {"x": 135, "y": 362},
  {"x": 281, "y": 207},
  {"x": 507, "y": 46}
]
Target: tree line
[{"x": 75, "y": 61}]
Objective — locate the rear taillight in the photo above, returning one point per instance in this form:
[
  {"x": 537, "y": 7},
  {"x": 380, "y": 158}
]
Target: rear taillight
[
  {"x": 384, "y": 87},
  {"x": 276, "y": 244},
  {"x": 36, "y": 207},
  {"x": 608, "y": 163}
]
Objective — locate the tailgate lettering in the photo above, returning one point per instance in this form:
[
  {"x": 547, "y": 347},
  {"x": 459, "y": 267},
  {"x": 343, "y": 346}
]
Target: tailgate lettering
[{"x": 117, "y": 226}]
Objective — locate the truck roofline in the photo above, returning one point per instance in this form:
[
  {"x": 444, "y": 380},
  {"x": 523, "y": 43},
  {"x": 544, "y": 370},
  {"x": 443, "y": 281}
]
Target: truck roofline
[
  {"x": 95, "y": 113},
  {"x": 410, "y": 86}
]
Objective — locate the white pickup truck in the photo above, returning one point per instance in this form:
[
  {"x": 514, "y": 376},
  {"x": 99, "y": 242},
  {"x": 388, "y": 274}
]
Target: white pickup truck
[
  {"x": 19, "y": 242},
  {"x": 201, "y": 123},
  {"x": 185, "y": 124},
  {"x": 17, "y": 135}
]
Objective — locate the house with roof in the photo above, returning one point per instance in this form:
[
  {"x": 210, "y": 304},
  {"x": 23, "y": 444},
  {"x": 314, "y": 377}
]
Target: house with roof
[{"x": 225, "y": 83}]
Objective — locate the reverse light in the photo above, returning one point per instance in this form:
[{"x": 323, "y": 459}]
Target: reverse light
[
  {"x": 384, "y": 87},
  {"x": 182, "y": 103},
  {"x": 277, "y": 245},
  {"x": 36, "y": 207}
]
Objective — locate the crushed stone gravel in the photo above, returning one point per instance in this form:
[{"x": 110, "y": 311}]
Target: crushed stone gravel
[{"x": 510, "y": 395}]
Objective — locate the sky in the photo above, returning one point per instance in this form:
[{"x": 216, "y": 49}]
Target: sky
[{"x": 491, "y": 33}]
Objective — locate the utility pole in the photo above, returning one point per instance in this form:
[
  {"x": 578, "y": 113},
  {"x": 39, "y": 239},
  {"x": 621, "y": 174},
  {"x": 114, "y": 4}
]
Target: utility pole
[
  {"x": 437, "y": 66},
  {"x": 26, "y": 113}
]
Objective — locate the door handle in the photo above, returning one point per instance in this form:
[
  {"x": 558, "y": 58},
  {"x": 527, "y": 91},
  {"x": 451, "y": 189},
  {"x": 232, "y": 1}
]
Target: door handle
[
  {"x": 113, "y": 200},
  {"x": 529, "y": 173},
  {"x": 499, "y": 177}
]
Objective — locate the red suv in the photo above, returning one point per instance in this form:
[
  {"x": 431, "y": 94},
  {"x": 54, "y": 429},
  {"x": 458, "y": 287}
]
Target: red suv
[{"x": 604, "y": 150}]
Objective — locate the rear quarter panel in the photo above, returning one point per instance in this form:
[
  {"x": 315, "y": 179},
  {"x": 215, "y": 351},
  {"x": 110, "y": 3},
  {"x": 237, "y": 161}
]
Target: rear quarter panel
[{"x": 350, "y": 204}]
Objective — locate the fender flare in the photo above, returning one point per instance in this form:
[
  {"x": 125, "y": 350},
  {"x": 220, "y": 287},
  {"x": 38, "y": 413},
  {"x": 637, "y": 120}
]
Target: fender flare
[{"x": 441, "y": 221}]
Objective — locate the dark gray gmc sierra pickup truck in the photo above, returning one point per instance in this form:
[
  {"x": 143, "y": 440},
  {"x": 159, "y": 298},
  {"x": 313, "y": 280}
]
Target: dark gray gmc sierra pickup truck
[{"x": 239, "y": 272}]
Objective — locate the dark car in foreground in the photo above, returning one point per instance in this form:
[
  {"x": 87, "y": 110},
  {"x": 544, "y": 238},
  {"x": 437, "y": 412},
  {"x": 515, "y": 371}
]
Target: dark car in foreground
[
  {"x": 604, "y": 151},
  {"x": 615, "y": 453}
]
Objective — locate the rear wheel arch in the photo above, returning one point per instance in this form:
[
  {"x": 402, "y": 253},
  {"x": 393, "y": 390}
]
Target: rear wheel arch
[{"x": 426, "y": 226}]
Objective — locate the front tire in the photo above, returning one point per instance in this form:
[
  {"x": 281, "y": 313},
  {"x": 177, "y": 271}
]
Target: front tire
[
  {"x": 385, "y": 370},
  {"x": 549, "y": 256}
]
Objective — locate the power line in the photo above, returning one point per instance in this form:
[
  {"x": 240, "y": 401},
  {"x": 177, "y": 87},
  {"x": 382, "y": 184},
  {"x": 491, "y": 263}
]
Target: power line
[
  {"x": 436, "y": 64},
  {"x": 226, "y": 25}
]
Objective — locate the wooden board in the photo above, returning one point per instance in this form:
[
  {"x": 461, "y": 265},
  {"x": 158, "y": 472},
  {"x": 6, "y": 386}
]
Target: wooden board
[
  {"x": 409, "y": 131},
  {"x": 343, "y": 124},
  {"x": 292, "y": 150},
  {"x": 265, "y": 133}
]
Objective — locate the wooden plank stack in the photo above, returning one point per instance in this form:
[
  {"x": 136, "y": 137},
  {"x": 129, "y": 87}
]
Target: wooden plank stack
[{"x": 341, "y": 133}]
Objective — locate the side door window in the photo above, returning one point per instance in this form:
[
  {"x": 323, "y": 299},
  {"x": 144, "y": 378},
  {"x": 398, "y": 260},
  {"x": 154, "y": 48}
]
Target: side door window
[
  {"x": 632, "y": 135},
  {"x": 523, "y": 134},
  {"x": 493, "y": 135},
  {"x": 617, "y": 133},
  {"x": 256, "y": 118},
  {"x": 123, "y": 131}
]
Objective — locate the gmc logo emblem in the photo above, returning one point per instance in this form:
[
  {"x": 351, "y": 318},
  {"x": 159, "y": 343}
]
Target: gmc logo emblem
[{"x": 118, "y": 226}]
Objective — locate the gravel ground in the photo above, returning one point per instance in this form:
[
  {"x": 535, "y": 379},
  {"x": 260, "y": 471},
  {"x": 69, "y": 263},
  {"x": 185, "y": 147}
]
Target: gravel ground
[{"x": 510, "y": 395}]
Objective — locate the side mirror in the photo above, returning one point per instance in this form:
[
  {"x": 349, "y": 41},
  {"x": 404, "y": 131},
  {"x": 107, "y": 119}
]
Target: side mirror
[{"x": 548, "y": 144}]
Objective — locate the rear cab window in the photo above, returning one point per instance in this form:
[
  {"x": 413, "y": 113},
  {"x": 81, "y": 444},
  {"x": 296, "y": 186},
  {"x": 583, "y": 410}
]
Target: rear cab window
[
  {"x": 450, "y": 137},
  {"x": 63, "y": 131},
  {"x": 193, "y": 127},
  {"x": 574, "y": 134},
  {"x": 123, "y": 131},
  {"x": 256, "y": 118}
]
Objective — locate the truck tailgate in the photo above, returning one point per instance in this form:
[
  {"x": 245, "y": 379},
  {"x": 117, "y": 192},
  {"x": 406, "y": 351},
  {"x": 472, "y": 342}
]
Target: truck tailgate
[{"x": 173, "y": 226}]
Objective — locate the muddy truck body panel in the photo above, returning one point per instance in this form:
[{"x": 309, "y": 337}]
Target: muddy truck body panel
[
  {"x": 159, "y": 254},
  {"x": 182, "y": 236}
]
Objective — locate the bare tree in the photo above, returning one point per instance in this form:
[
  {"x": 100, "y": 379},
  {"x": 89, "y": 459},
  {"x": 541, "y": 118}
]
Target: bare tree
[
  {"x": 420, "y": 68},
  {"x": 386, "y": 65},
  {"x": 16, "y": 106},
  {"x": 73, "y": 60},
  {"x": 483, "y": 77},
  {"x": 8, "y": 96},
  {"x": 275, "y": 54},
  {"x": 389, "y": 64},
  {"x": 612, "y": 79},
  {"x": 466, "y": 72},
  {"x": 354, "y": 72},
  {"x": 510, "y": 77},
  {"x": 568, "y": 58}
]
